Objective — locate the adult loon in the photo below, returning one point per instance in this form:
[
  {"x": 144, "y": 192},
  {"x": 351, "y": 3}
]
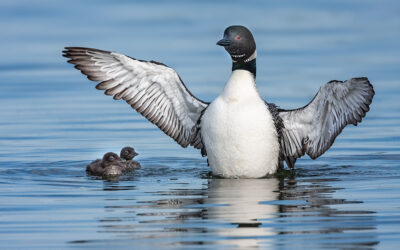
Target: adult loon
[{"x": 242, "y": 135}]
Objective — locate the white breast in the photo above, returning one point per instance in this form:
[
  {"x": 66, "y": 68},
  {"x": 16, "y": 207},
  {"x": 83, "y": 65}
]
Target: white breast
[{"x": 238, "y": 131}]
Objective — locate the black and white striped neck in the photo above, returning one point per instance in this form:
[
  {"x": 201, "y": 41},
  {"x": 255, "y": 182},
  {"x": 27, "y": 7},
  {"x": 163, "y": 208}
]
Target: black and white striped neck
[{"x": 249, "y": 64}]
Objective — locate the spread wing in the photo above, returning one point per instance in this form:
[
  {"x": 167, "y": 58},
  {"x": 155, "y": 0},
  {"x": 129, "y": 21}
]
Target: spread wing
[
  {"x": 153, "y": 89},
  {"x": 313, "y": 128}
]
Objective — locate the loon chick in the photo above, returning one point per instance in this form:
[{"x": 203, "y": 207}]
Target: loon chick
[
  {"x": 110, "y": 165},
  {"x": 242, "y": 135},
  {"x": 127, "y": 154}
]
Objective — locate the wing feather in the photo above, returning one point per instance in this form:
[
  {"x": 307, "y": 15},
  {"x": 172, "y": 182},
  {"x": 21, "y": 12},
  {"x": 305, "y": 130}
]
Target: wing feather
[
  {"x": 153, "y": 89},
  {"x": 313, "y": 128}
]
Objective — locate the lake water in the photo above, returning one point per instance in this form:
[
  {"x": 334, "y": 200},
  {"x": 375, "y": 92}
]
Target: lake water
[{"x": 53, "y": 123}]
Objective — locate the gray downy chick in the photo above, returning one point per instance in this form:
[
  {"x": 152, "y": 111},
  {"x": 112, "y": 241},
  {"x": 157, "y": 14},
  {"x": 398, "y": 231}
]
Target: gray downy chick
[
  {"x": 127, "y": 154},
  {"x": 110, "y": 165}
]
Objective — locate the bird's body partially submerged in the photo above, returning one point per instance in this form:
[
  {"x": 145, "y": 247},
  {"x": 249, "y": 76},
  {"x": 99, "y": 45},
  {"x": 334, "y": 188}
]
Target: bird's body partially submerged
[
  {"x": 243, "y": 136},
  {"x": 127, "y": 154},
  {"x": 110, "y": 165}
]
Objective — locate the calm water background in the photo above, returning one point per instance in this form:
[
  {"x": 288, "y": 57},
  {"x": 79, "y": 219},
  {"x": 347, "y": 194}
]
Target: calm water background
[{"x": 53, "y": 122}]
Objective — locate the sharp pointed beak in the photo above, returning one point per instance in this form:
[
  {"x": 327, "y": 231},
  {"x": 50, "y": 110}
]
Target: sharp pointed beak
[
  {"x": 224, "y": 42},
  {"x": 135, "y": 154}
]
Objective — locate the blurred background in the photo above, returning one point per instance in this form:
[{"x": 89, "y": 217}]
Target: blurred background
[
  {"x": 53, "y": 122},
  {"x": 49, "y": 111}
]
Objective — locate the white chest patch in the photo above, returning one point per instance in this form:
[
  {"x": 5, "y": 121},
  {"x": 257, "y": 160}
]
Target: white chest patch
[{"x": 238, "y": 131}]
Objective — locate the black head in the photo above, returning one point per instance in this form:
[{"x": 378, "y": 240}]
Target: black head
[
  {"x": 239, "y": 43},
  {"x": 110, "y": 159},
  {"x": 128, "y": 153}
]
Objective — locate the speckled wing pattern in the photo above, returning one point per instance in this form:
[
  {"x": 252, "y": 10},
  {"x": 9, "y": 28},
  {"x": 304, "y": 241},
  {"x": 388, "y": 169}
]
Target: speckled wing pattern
[
  {"x": 153, "y": 89},
  {"x": 313, "y": 128}
]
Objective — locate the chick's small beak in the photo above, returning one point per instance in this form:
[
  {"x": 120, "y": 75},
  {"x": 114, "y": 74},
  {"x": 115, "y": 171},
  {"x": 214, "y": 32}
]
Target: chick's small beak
[
  {"x": 224, "y": 42},
  {"x": 135, "y": 154}
]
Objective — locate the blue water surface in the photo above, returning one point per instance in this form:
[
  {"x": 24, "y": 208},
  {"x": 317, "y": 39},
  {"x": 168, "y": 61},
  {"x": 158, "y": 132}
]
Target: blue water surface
[{"x": 54, "y": 122}]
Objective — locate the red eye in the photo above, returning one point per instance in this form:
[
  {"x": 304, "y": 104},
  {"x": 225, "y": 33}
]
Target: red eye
[{"x": 237, "y": 37}]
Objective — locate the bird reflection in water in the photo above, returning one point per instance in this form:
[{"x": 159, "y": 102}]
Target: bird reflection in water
[
  {"x": 243, "y": 213},
  {"x": 240, "y": 205}
]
